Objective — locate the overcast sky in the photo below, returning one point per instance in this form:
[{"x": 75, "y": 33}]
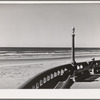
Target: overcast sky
[{"x": 49, "y": 25}]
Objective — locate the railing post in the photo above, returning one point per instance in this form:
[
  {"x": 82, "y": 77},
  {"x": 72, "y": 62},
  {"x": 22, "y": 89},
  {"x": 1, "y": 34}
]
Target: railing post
[{"x": 93, "y": 66}]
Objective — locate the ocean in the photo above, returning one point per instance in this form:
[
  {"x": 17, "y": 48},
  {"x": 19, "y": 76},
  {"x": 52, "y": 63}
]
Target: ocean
[{"x": 18, "y": 55}]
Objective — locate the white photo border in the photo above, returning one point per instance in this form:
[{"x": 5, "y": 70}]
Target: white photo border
[{"x": 49, "y": 93}]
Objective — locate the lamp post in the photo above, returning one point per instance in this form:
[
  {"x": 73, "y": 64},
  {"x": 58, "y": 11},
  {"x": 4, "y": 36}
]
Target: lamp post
[{"x": 73, "y": 45}]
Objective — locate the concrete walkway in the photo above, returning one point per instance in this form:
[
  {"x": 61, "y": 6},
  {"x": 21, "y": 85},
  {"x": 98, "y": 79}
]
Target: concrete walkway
[{"x": 92, "y": 82}]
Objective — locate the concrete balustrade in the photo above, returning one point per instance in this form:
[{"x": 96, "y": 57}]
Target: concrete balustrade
[{"x": 61, "y": 73}]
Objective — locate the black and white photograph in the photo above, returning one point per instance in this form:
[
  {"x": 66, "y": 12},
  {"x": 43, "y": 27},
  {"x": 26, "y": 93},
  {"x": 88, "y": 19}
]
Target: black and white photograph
[{"x": 50, "y": 46}]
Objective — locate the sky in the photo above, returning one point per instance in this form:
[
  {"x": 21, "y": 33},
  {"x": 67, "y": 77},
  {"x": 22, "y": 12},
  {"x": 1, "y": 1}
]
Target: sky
[{"x": 49, "y": 25}]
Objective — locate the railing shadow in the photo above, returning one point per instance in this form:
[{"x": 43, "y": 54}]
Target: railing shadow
[{"x": 90, "y": 78}]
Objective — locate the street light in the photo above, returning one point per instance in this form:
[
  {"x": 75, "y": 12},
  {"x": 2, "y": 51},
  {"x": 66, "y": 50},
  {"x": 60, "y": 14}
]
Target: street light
[
  {"x": 73, "y": 29},
  {"x": 73, "y": 45}
]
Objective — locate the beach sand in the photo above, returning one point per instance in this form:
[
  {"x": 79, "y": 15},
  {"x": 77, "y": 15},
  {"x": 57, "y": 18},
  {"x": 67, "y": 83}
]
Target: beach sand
[{"x": 13, "y": 76}]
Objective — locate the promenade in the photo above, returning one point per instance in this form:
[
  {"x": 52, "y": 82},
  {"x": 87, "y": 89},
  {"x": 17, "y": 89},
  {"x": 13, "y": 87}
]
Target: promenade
[{"x": 92, "y": 82}]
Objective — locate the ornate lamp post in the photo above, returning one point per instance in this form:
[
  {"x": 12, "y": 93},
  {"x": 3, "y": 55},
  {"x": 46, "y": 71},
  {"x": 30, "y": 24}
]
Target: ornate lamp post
[{"x": 73, "y": 45}]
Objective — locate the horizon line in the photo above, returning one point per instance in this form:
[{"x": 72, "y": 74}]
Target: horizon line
[{"x": 44, "y": 47}]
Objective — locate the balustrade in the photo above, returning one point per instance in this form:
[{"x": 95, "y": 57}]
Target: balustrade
[{"x": 60, "y": 73}]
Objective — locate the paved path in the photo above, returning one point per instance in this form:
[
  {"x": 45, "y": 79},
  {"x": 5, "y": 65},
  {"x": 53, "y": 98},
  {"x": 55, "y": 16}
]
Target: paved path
[{"x": 92, "y": 82}]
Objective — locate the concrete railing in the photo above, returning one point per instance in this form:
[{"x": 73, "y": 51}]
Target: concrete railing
[{"x": 50, "y": 78}]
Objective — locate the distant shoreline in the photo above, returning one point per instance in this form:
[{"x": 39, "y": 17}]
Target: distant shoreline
[{"x": 48, "y": 58}]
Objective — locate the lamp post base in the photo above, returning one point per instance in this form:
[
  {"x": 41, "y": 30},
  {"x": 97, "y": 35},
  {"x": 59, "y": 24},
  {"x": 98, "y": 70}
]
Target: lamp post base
[
  {"x": 73, "y": 63},
  {"x": 74, "y": 71}
]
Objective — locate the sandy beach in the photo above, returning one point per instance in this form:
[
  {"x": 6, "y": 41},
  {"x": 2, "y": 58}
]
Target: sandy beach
[
  {"x": 15, "y": 74},
  {"x": 12, "y": 76}
]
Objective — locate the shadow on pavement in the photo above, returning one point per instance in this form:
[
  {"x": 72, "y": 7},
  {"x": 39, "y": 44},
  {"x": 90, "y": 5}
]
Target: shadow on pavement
[{"x": 90, "y": 78}]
